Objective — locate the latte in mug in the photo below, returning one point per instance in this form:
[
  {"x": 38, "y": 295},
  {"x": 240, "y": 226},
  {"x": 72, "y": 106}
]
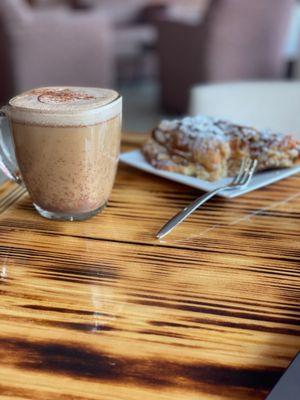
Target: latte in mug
[{"x": 67, "y": 142}]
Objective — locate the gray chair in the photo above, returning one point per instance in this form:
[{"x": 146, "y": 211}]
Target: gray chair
[
  {"x": 53, "y": 47},
  {"x": 236, "y": 40}
]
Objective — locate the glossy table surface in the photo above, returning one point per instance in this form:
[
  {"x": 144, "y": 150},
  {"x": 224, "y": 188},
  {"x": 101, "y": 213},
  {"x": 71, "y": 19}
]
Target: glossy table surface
[{"x": 102, "y": 310}]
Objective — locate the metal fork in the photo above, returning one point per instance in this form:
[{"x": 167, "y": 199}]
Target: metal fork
[{"x": 242, "y": 179}]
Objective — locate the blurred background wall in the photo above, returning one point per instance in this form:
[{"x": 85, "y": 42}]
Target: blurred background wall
[{"x": 153, "y": 51}]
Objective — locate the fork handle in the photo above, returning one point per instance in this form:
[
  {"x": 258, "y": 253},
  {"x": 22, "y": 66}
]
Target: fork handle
[{"x": 182, "y": 215}]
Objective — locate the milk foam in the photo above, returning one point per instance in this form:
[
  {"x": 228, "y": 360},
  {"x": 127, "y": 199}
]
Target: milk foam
[{"x": 65, "y": 106}]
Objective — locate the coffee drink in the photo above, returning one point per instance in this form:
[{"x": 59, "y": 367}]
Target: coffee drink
[{"x": 67, "y": 147}]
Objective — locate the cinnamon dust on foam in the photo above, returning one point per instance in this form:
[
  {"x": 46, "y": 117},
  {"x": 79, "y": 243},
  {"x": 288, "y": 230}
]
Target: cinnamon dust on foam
[{"x": 60, "y": 96}]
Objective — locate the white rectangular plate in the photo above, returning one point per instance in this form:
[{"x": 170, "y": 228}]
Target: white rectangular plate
[{"x": 136, "y": 159}]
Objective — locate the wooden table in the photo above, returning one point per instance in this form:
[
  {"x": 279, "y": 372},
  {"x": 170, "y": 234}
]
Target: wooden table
[{"x": 102, "y": 310}]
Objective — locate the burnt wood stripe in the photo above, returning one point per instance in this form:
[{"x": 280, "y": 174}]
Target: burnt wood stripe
[{"x": 84, "y": 362}]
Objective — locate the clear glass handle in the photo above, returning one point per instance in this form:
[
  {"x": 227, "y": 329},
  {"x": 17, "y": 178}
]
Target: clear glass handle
[{"x": 7, "y": 165}]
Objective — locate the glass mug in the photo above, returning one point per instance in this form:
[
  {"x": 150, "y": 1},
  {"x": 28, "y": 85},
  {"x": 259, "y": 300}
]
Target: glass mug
[{"x": 67, "y": 144}]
